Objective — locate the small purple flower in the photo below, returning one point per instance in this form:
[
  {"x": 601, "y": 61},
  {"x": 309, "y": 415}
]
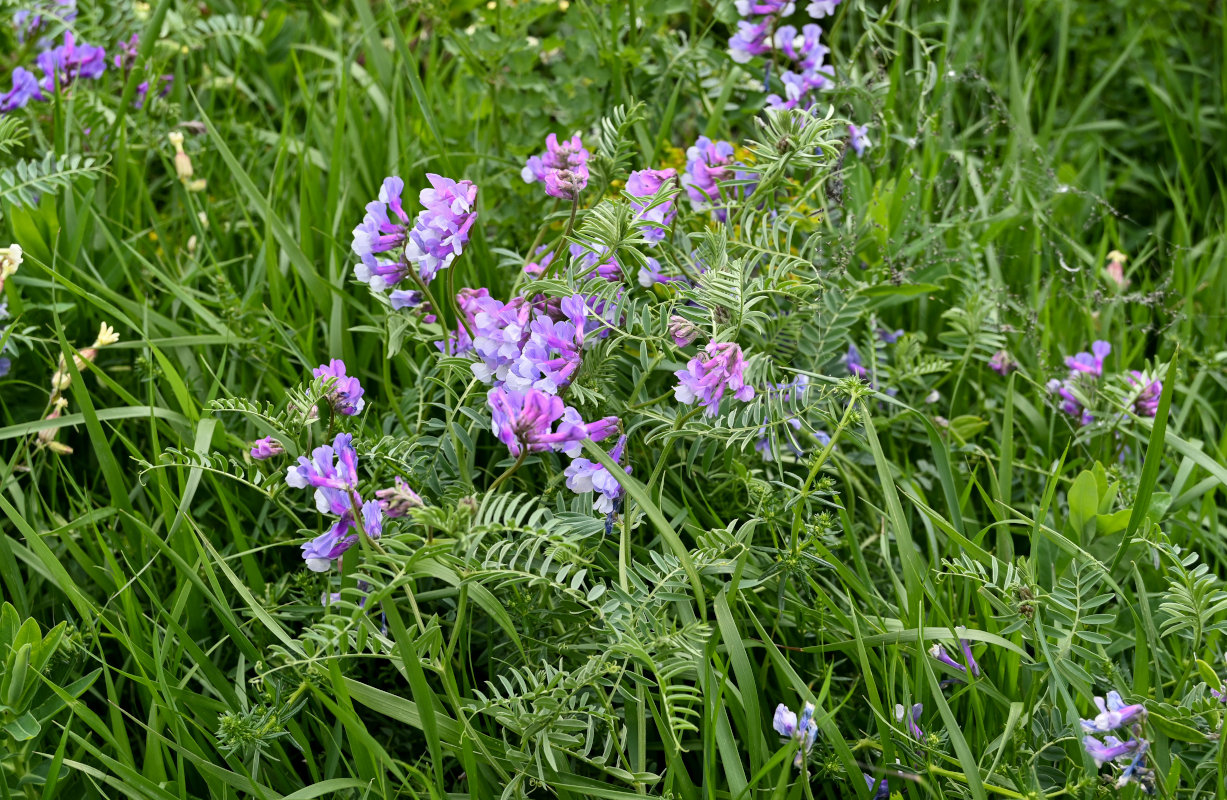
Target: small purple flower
[
  {"x": 69, "y": 62},
  {"x": 142, "y": 90},
  {"x": 1220, "y": 696},
  {"x": 1070, "y": 403},
  {"x": 1090, "y": 363},
  {"x": 646, "y": 183},
  {"x": 708, "y": 164},
  {"x": 568, "y": 156},
  {"x": 320, "y": 552},
  {"x": 880, "y": 789},
  {"x": 584, "y": 475},
  {"x": 852, "y": 360},
  {"x": 650, "y": 274},
  {"x": 441, "y": 230},
  {"x": 1002, "y": 363},
  {"x": 809, "y": 75},
  {"x": 1146, "y": 404},
  {"x": 887, "y": 336},
  {"x": 753, "y": 38},
  {"x": 32, "y": 20},
  {"x": 1113, "y": 714},
  {"x": 683, "y": 331},
  {"x": 1110, "y": 749},
  {"x": 527, "y": 420},
  {"x": 706, "y": 378},
  {"x": 344, "y": 392},
  {"x": 803, "y": 730},
  {"x": 399, "y": 499},
  {"x": 910, "y": 719},
  {"x": 125, "y": 59},
  {"x": 266, "y": 448},
  {"x": 859, "y": 139},
  {"x": 598, "y": 256},
  {"x": 25, "y": 88},
  {"x": 538, "y": 268},
  {"x": 1137, "y": 772},
  {"x": 821, "y": 8},
  {"x": 938, "y": 652}
]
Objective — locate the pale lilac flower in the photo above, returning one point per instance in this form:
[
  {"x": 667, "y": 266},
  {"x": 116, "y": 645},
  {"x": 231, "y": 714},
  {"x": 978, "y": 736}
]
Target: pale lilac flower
[
  {"x": 30, "y": 21},
  {"x": 142, "y": 90},
  {"x": 821, "y": 8},
  {"x": 803, "y": 729},
  {"x": 25, "y": 88},
  {"x": 753, "y": 38},
  {"x": 859, "y": 139},
  {"x": 381, "y": 233},
  {"x": 650, "y": 274},
  {"x": 1137, "y": 772},
  {"x": 320, "y": 552},
  {"x": 645, "y": 183},
  {"x": 706, "y": 377},
  {"x": 1090, "y": 363},
  {"x": 537, "y": 422},
  {"x": 344, "y": 392},
  {"x": 441, "y": 230},
  {"x": 69, "y": 62},
  {"x": 1110, "y": 749},
  {"x": 1002, "y": 363},
  {"x": 910, "y": 719},
  {"x": 332, "y": 471},
  {"x": 584, "y": 475},
  {"x": 1113, "y": 714},
  {"x": 605, "y": 263},
  {"x": 1220, "y": 696},
  {"x": 565, "y": 183},
  {"x": 1146, "y": 404},
  {"x": 399, "y": 499},
  {"x": 809, "y": 74},
  {"x": 887, "y": 336},
  {"x": 683, "y": 331},
  {"x": 266, "y": 448}
]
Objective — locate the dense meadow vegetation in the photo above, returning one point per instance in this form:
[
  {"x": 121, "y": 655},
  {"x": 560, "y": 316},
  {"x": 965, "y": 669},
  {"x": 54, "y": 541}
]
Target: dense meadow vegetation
[{"x": 589, "y": 399}]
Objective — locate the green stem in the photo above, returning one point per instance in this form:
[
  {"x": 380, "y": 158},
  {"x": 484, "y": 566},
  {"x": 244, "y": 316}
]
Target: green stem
[
  {"x": 958, "y": 776},
  {"x": 451, "y": 295},
  {"x": 510, "y": 470}
]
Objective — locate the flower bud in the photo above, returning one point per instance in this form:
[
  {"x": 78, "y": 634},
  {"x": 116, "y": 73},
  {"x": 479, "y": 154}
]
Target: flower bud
[
  {"x": 396, "y": 501},
  {"x": 682, "y": 330},
  {"x": 1116, "y": 269}
]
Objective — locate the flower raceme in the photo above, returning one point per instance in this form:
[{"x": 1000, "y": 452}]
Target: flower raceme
[
  {"x": 344, "y": 392},
  {"x": 911, "y": 719},
  {"x": 535, "y": 422},
  {"x": 720, "y": 367},
  {"x": 709, "y": 163},
  {"x": 389, "y": 247},
  {"x": 584, "y": 475},
  {"x": 938, "y": 652},
  {"x": 563, "y": 167},
  {"x": 1114, "y": 714},
  {"x": 644, "y": 185},
  {"x": 266, "y": 448},
  {"x": 801, "y": 729}
]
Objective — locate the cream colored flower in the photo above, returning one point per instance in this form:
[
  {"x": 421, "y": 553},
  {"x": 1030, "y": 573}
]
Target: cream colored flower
[{"x": 106, "y": 336}]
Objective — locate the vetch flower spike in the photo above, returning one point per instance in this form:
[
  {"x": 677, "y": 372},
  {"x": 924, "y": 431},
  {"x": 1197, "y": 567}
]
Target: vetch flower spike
[
  {"x": 910, "y": 719},
  {"x": 803, "y": 729},
  {"x": 1113, "y": 714}
]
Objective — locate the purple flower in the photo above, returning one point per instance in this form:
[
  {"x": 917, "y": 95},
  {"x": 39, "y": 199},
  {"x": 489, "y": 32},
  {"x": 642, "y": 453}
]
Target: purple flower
[
  {"x": 821, "y": 8},
  {"x": 397, "y": 500},
  {"x": 536, "y": 422},
  {"x": 852, "y": 360},
  {"x": 809, "y": 74},
  {"x": 142, "y": 90},
  {"x": 344, "y": 392},
  {"x": 380, "y": 233},
  {"x": 597, "y": 256},
  {"x": 1146, "y": 404},
  {"x": 645, "y": 183},
  {"x": 1090, "y": 363},
  {"x": 888, "y": 336},
  {"x": 32, "y": 20},
  {"x": 320, "y": 552},
  {"x": 563, "y": 167},
  {"x": 858, "y": 139},
  {"x": 1220, "y": 696},
  {"x": 266, "y": 448},
  {"x": 538, "y": 268},
  {"x": 803, "y": 730},
  {"x": 650, "y": 274},
  {"x": 753, "y": 38},
  {"x": 707, "y": 164},
  {"x": 25, "y": 88},
  {"x": 441, "y": 230},
  {"x": 910, "y": 719},
  {"x": 584, "y": 475},
  {"x": 125, "y": 59},
  {"x": 683, "y": 331},
  {"x": 70, "y": 61},
  {"x": 706, "y": 378},
  {"x": 1110, "y": 749},
  {"x": 1137, "y": 772},
  {"x": 880, "y": 789},
  {"x": 938, "y": 652},
  {"x": 523, "y": 346},
  {"x": 1002, "y": 363},
  {"x": 1113, "y": 714},
  {"x": 1070, "y": 403}
]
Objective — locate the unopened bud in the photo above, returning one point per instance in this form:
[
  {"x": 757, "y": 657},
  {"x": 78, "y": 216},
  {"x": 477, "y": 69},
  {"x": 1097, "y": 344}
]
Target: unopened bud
[
  {"x": 682, "y": 330},
  {"x": 59, "y": 448},
  {"x": 1116, "y": 269},
  {"x": 397, "y": 500}
]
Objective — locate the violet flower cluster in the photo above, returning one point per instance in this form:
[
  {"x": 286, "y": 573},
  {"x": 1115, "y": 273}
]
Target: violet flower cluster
[
  {"x": 31, "y": 21},
  {"x": 644, "y": 184},
  {"x": 809, "y": 74},
  {"x": 535, "y": 422},
  {"x": 719, "y": 368},
  {"x": 389, "y": 248},
  {"x": 584, "y": 475},
  {"x": 332, "y": 471},
  {"x": 1114, "y": 715},
  {"x": 563, "y": 167},
  {"x": 910, "y": 718},
  {"x": 1085, "y": 372},
  {"x": 61, "y": 66},
  {"x": 801, "y": 729},
  {"x": 344, "y": 391},
  {"x": 708, "y": 164}
]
